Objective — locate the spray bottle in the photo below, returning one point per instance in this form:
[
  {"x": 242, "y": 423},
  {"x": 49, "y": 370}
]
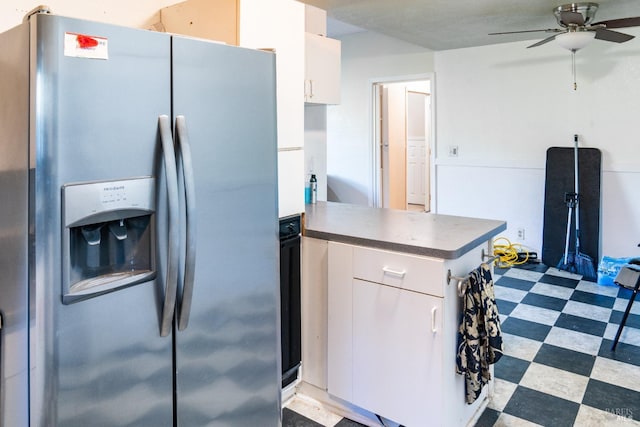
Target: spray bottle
[{"x": 313, "y": 184}]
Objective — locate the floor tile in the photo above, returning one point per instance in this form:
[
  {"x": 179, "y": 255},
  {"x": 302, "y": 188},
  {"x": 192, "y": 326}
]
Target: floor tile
[
  {"x": 313, "y": 411},
  {"x": 519, "y": 273},
  {"x": 592, "y": 417},
  {"x": 502, "y": 392},
  {"x": 542, "y": 408},
  {"x": 535, "y": 314},
  {"x": 510, "y": 368},
  {"x": 508, "y": 294},
  {"x": 611, "y": 398},
  {"x": 588, "y": 311},
  {"x": 621, "y": 305},
  {"x": 524, "y": 328},
  {"x": 293, "y": 419},
  {"x": 581, "y": 324},
  {"x": 348, "y": 423},
  {"x": 566, "y": 282},
  {"x": 553, "y": 271},
  {"x": 624, "y": 292},
  {"x": 572, "y": 340},
  {"x": 520, "y": 347},
  {"x": 506, "y": 420},
  {"x": 488, "y": 418},
  {"x": 514, "y": 283},
  {"x": 618, "y": 373},
  {"x": 533, "y": 266},
  {"x": 629, "y": 335},
  {"x": 505, "y": 307},
  {"x": 568, "y": 360},
  {"x": 593, "y": 299},
  {"x": 499, "y": 271},
  {"x": 552, "y": 290},
  {"x": 594, "y": 288},
  {"x": 554, "y": 381},
  {"x": 551, "y": 303},
  {"x": 633, "y": 320},
  {"x": 623, "y": 353}
]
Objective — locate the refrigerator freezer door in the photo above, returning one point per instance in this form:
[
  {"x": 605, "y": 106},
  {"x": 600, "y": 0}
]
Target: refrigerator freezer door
[
  {"x": 14, "y": 226},
  {"x": 100, "y": 361},
  {"x": 227, "y": 359}
]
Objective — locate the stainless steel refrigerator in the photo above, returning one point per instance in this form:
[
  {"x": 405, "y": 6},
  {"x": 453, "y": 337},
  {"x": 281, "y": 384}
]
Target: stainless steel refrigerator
[{"x": 138, "y": 229}]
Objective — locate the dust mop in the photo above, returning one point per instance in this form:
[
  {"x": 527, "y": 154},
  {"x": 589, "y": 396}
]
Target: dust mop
[{"x": 577, "y": 262}]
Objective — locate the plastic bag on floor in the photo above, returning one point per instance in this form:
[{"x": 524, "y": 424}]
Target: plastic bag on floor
[{"x": 608, "y": 269}]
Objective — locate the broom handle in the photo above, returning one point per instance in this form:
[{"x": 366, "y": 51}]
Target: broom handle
[
  {"x": 575, "y": 168},
  {"x": 566, "y": 243}
]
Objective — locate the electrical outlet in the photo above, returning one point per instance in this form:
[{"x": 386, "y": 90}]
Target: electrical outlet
[
  {"x": 453, "y": 151},
  {"x": 521, "y": 233}
]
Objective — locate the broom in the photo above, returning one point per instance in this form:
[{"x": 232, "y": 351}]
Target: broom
[{"x": 577, "y": 262}]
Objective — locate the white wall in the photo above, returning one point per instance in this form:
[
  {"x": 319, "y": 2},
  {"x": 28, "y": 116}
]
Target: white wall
[
  {"x": 315, "y": 146},
  {"x": 139, "y": 13},
  {"x": 505, "y": 105},
  {"x": 366, "y": 58}
]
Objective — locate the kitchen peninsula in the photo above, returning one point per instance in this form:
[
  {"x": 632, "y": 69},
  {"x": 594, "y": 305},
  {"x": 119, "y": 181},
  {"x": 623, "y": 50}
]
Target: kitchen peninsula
[{"x": 380, "y": 315}]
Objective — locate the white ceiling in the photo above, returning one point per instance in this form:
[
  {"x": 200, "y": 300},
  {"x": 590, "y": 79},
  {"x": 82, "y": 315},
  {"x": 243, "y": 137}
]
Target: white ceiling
[{"x": 451, "y": 24}]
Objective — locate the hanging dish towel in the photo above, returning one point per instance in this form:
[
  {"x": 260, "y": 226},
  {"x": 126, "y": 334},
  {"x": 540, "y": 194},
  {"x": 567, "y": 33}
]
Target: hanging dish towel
[{"x": 479, "y": 337}]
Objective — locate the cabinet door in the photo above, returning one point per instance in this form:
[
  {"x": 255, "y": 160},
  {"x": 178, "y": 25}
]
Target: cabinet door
[
  {"x": 397, "y": 353},
  {"x": 322, "y": 70},
  {"x": 207, "y": 19},
  {"x": 290, "y": 182},
  {"x": 262, "y": 27}
]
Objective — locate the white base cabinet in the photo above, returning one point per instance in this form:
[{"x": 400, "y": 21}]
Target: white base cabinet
[
  {"x": 392, "y": 330},
  {"x": 397, "y": 350}
]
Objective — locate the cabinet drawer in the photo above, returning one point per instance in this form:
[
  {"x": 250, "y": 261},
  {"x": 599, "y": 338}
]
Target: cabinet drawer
[{"x": 419, "y": 274}]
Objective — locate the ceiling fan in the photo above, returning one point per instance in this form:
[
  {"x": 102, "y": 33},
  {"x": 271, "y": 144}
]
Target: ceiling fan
[{"x": 578, "y": 28}]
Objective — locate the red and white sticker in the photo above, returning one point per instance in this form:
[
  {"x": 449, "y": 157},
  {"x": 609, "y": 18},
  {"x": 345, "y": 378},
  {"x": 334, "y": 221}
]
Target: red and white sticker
[{"x": 85, "y": 46}]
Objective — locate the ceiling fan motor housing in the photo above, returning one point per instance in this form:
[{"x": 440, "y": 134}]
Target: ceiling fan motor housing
[{"x": 587, "y": 10}]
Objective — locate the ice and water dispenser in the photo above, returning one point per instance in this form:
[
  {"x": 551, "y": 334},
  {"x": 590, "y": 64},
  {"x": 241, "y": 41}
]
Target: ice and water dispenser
[{"x": 108, "y": 236}]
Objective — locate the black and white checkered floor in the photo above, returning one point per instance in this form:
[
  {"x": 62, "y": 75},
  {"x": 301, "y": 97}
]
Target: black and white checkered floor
[{"x": 558, "y": 368}]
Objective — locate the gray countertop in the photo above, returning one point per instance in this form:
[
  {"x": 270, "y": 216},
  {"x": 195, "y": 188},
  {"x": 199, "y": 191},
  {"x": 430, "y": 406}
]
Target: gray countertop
[{"x": 439, "y": 236}]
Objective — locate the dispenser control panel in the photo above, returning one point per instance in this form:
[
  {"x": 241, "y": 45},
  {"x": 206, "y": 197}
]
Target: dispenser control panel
[
  {"x": 84, "y": 200},
  {"x": 108, "y": 236}
]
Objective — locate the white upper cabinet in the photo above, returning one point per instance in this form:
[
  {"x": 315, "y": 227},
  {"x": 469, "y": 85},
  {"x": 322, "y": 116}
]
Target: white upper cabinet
[
  {"x": 322, "y": 70},
  {"x": 322, "y": 60},
  {"x": 207, "y": 19},
  {"x": 279, "y": 25}
]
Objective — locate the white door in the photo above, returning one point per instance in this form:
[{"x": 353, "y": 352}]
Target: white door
[
  {"x": 395, "y": 126},
  {"x": 416, "y": 148}
]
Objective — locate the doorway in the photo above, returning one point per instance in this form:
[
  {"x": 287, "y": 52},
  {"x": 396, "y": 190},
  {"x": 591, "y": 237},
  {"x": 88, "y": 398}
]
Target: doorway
[{"x": 403, "y": 133}]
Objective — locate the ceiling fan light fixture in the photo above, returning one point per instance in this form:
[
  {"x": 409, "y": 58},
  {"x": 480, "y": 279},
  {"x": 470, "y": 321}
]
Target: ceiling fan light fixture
[{"x": 575, "y": 40}]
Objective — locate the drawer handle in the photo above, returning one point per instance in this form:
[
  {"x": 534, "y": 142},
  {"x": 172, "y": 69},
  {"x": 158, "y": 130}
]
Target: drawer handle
[
  {"x": 395, "y": 273},
  {"x": 434, "y": 311}
]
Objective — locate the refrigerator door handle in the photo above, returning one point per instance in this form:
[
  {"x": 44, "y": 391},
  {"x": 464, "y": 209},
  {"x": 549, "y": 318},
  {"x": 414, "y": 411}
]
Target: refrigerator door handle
[
  {"x": 190, "y": 201},
  {"x": 174, "y": 211}
]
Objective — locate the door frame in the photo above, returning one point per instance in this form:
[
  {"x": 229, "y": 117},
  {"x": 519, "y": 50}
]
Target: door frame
[{"x": 374, "y": 123}]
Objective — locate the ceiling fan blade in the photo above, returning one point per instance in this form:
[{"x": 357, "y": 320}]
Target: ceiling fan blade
[
  {"x": 612, "y": 36},
  {"x": 620, "y": 23},
  {"x": 543, "y": 41},
  {"x": 548, "y": 30},
  {"x": 572, "y": 18}
]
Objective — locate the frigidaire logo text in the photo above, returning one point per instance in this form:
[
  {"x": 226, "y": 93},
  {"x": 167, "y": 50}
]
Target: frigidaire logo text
[{"x": 114, "y": 188}]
